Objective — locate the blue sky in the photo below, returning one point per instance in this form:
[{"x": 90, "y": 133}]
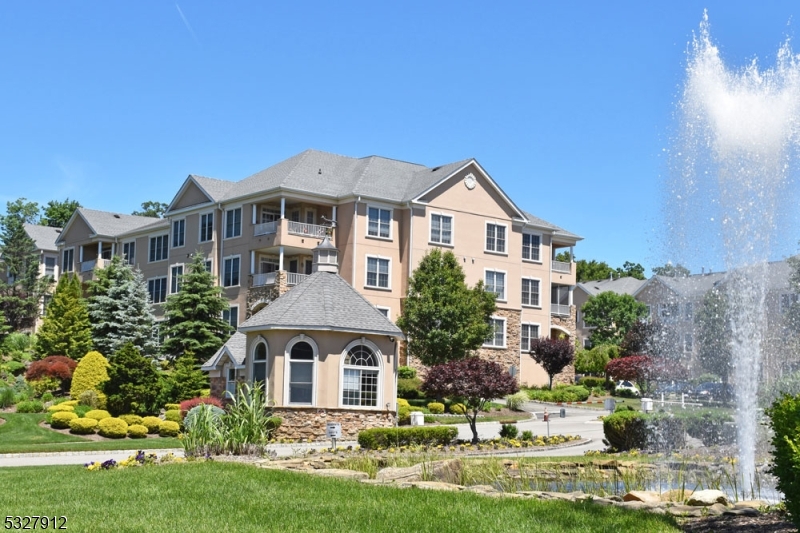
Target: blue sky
[{"x": 568, "y": 105}]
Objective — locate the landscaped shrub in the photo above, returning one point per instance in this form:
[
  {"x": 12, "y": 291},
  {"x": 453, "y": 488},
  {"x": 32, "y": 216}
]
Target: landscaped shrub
[
  {"x": 134, "y": 383},
  {"x": 60, "y": 420},
  {"x": 73, "y": 403},
  {"x": 402, "y": 401},
  {"x": 169, "y": 429},
  {"x": 7, "y": 396},
  {"x": 172, "y": 407},
  {"x": 709, "y": 425},
  {"x": 60, "y": 407},
  {"x": 784, "y": 414},
  {"x": 47, "y": 397},
  {"x": 560, "y": 393},
  {"x": 625, "y": 393},
  {"x": 82, "y": 426},
  {"x": 436, "y": 408},
  {"x": 403, "y": 415},
  {"x": 591, "y": 382},
  {"x": 98, "y": 414},
  {"x": 113, "y": 428},
  {"x": 56, "y": 367},
  {"x": 90, "y": 374},
  {"x": 665, "y": 432},
  {"x": 30, "y": 406},
  {"x": 458, "y": 409},
  {"x": 388, "y": 437},
  {"x": 625, "y": 430},
  {"x": 508, "y": 431},
  {"x": 516, "y": 401},
  {"x": 90, "y": 398},
  {"x": 527, "y": 435},
  {"x": 186, "y": 405},
  {"x": 409, "y": 388},
  {"x": 44, "y": 385},
  {"x": 81, "y": 410},
  {"x": 132, "y": 420},
  {"x": 174, "y": 416},
  {"x": 406, "y": 372},
  {"x": 152, "y": 423},
  {"x": 137, "y": 431}
]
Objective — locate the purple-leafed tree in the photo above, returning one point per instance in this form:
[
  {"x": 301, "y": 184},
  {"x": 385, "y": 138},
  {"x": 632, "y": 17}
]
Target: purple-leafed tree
[
  {"x": 553, "y": 354},
  {"x": 473, "y": 382}
]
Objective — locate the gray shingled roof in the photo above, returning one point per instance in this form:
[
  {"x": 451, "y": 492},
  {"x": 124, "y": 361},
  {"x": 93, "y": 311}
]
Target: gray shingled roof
[
  {"x": 326, "y": 302},
  {"x": 44, "y": 236},
  {"x": 626, "y": 285},
  {"x": 236, "y": 346},
  {"x": 112, "y": 224},
  {"x": 539, "y": 223},
  {"x": 213, "y": 187}
]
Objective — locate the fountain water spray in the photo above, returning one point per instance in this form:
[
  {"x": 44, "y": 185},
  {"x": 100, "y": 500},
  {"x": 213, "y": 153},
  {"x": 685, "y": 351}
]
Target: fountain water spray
[{"x": 731, "y": 170}]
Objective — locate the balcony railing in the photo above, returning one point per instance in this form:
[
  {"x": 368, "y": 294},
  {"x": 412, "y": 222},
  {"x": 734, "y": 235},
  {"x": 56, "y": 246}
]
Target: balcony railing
[
  {"x": 293, "y": 278},
  {"x": 265, "y": 228},
  {"x": 311, "y": 230},
  {"x": 88, "y": 266},
  {"x": 559, "y": 309},
  {"x": 260, "y": 280},
  {"x": 561, "y": 266}
]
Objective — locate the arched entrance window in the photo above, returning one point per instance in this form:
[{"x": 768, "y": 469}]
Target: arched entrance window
[
  {"x": 260, "y": 364},
  {"x": 361, "y": 383},
  {"x": 302, "y": 358}
]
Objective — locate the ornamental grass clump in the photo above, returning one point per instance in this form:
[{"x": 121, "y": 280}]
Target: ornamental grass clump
[
  {"x": 61, "y": 419},
  {"x": 82, "y": 426},
  {"x": 248, "y": 423},
  {"x": 112, "y": 428}
]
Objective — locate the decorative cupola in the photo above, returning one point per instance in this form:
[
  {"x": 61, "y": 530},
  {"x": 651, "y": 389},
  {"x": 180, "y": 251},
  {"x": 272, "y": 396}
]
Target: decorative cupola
[{"x": 326, "y": 257}]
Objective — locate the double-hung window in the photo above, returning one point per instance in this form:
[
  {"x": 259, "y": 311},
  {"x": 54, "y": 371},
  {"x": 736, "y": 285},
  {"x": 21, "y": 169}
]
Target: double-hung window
[
  {"x": 528, "y": 333},
  {"x": 230, "y": 271},
  {"x": 530, "y": 292},
  {"x": 441, "y": 228},
  {"x": 360, "y": 377},
  {"x": 497, "y": 337},
  {"x": 260, "y": 364},
  {"x": 158, "y": 248},
  {"x": 377, "y": 272},
  {"x": 233, "y": 222},
  {"x": 129, "y": 252},
  {"x": 231, "y": 316},
  {"x": 301, "y": 373},
  {"x": 178, "y": 233},
  {"x": 379, "y": 222},
  {"x": 175, "y": 274},
  {"x": 206, "y": 227},
  {"x": 495, "y": 282},
  {"x": 50, "y": 266},
  {"x": 530, "y": 246},
  {"x": 68, "y": 262},
  {"x": 495, "y": 238},
  {"x": 157, "y": 287}
]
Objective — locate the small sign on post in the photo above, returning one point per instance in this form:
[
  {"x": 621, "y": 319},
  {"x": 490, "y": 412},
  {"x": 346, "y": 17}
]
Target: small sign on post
[{"x": 333, "y": 430}]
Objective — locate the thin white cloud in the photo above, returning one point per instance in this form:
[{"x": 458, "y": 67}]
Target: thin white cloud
[{"x": 186, "y": 23}]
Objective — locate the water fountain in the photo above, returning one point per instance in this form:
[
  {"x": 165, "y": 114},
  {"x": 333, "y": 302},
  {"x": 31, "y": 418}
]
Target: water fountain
[{"x": 730, "y": 189}]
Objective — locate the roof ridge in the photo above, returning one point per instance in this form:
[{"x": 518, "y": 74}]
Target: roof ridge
[{"x": 303, "y": 156}]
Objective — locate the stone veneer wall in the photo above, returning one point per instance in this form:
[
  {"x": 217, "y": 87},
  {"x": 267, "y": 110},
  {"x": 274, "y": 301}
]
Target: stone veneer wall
[
  {"x": 510, "y": 355},
  {"x": 218, "y": 387},
  {"x": 568, "y": 323},
  {"x": 265, "y": 293},
  {"x": 303, "y": 423}
]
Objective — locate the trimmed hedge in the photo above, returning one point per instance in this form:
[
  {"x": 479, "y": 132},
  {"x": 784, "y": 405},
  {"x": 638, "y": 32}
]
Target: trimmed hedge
[
  {"x": 402, "y": 402},
  {"x": 571, "y": 393},
  {"x": 82, "y": 426},
  {"x": 97, "y": 414},
  {"x": 152, "y": 423},
  {"x": 169, "y": 428},
  {"x": 137, "y": 431},
  {"x": 113, "y": 428},
  {"x": 436, "y": 408},
  {"x": 132, "y": 420},
  {"x": 174, "y": 416},
  {"x": 625, "y": 430},
  {"x": 387, "y": 437},
  {"x": 90, "y": 374},
  {"x": 784, "y": 414},
  {"x": 409, "y": 388},
  {"x": 172, "y": 407},
  {"x": 60, "y": 408},
  {"x": 458, "y": 408},
  {"x": 591, "y": 382},
  {"x": 61, "y": 419},
  {"x": 30, "y": 406}
]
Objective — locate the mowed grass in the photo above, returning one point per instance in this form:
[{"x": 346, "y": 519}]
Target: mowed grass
[
  {"x": 212, "y": 497},
  {"x": 21, "y": 433}
]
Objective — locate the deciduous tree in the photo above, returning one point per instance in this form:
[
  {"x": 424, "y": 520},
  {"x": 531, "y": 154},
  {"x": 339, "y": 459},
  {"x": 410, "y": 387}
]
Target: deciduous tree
[
  {"x": 473, "y": 381},
  {"x": 594, "y": 361},
  {"x": 554, "y": 355},
  {"x": 444, "y": 319},
  {"x": 672, "y": 271},
  {"x": 57, "y": 214},
  {"x": 611, "y": 315},
  {"x": 151, "y": 208},
  {"x": 637, "y": 368},
  {"x": 65, "y": 329}
]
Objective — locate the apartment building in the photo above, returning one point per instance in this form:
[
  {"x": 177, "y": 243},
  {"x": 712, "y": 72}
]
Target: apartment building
[{"x": 382, "y": 215}]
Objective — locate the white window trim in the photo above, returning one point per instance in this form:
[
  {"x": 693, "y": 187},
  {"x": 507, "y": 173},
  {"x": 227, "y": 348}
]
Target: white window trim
[
  {"x": 505, "y": 283},
  {"x": 169, "y": 281},
  {"x": 372, "y": 346},
  {"x": 538, "y": 326},
  {"x": 200, "y": 226},
  {"x": 150, "y": 238},
  {"x": 172, "y": 232},
  {"x": 391, "y": 222},
  {"x": 260, "y": 340},
  {"x": 541, "y": 240},
  {"x": 485, "y": 229},
  {"x": 225, "y": 222},
  {"x": 308, "y": 210},
  {"x": 540, "y": 293},
  {"x": 122, "y": 251},
  {"x": 166, "y": 289},
  {"x": 287, "y": 364},
  {"x": 452, "y": 229},
  {"x": 210, "y": 262},
  {"x": 72, "y": 266},
  {"x": 222, "y": 273},
  {"x": 505, "y": 334},
  {"x": 366, "y": 273},
  {"x": 231, "y": 311},
  {"x": 384, "y": 308}
]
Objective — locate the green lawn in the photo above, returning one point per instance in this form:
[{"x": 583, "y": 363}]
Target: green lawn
[
  {"x": 21, "y": 433},
  {"x": 212, "y": 497},
  {"x": 489, "y": 417}
]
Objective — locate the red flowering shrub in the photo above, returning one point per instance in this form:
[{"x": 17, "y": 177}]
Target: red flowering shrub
[
  {"x": 638, "y": 368},
  {"x": 53, "y": 366},
  {"x": 186, "y": 405}
]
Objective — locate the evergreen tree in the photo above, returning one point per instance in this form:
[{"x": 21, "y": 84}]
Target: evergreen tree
[
  {"x": 119, "y": 308},
  {"x": 194, "y": 315},
  {"x": 186, "y": 381},
  {"x": 134, "y": 383},
  {"x": 443, "y": 319},
  {"x": 65, "y": 329},
  {"x": 21, "y": 293}
]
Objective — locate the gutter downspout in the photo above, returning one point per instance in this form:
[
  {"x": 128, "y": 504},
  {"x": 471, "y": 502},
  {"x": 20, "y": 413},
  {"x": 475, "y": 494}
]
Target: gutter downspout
[
  {"x": 221, "y": 246},
  {"x": 410, "y": 238},
  {"x": 355, "y": 239},
  {"x": 550, "y": 281}
]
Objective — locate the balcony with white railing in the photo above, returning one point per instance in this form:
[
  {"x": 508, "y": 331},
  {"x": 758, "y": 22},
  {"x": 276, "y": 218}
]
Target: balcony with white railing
[
  {"x": 265, "y": 228},
  {"x": 307, "y": 230},
  {"x": 561, "y": 266},
  {"x": 261, "y": 280},
  {"x": 559, "y": 309},
  {"x": 88, "y": 266},
  {"x": 294, "y": 278}
]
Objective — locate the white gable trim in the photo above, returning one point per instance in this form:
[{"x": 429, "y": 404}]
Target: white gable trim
[{"x": 182, "y": 190}]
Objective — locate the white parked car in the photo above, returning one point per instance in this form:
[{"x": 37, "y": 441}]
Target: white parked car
[{"x": 627, "y": 385}]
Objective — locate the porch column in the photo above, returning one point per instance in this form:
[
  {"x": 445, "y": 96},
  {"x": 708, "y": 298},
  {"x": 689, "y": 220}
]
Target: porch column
[
  {"x": 252, "y": 262},
  {"x": 571, "y": 254},
  {"x": 283, "y": 208},
  {"x": 254, "y": 214},
  {"x": 80, "y": 254},
  {"x": 333, "y": 215},
  {"x": 100, "y": 249},
  {"x": 571, "y": 288},
  {"x": 280, "y": 260},
  {"x": 113, "y": 248}
]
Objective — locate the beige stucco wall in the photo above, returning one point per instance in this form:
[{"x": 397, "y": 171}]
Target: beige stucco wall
[{"x": 191, "y": 196}]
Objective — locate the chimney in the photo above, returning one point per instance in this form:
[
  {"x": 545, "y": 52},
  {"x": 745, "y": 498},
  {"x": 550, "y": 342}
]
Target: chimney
[{"x": 326, "y": 257}]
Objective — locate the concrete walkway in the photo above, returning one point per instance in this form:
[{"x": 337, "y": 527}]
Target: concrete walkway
[{"x": 578, "y": 421}]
